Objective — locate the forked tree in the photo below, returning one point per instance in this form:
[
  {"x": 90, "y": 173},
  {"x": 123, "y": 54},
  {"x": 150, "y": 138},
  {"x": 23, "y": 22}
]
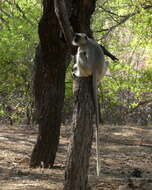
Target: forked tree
[{"x": 51, "y": 60}]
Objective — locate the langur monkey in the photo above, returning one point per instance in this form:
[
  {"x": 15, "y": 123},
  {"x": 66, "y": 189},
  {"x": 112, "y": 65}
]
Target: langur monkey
[{"x": 90, "y": 61}]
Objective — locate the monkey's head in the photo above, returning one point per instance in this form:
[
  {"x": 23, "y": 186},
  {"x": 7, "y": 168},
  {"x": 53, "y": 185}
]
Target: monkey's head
[{"x": 79, "y": 39}]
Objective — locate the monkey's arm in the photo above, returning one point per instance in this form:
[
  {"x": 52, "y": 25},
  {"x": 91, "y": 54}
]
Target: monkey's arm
[{"x": 106, "y": 52}]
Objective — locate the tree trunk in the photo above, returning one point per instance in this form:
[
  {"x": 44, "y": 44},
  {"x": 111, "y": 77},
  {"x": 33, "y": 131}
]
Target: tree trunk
[
  {"x": 76, "y": 174},
  {"x": 50, "y": 66},
  {"x": 48, "y": 85}
]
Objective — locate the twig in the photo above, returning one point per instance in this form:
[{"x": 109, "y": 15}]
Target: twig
[{"x": 140, "y": 104}]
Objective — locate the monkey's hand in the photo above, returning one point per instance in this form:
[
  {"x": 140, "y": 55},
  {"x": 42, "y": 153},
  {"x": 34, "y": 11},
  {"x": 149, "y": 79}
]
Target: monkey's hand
[
  {"x": 75, "y": 71},
  {"x": 78, "y": 71}
]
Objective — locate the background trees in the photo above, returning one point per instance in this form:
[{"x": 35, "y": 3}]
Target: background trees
[
  {"x": 124, "y": 27},
  {"x": 18, "y": 31}
]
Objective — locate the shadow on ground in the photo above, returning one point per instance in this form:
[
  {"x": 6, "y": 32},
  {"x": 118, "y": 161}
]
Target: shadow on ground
[{"x": 122, "y": 150}]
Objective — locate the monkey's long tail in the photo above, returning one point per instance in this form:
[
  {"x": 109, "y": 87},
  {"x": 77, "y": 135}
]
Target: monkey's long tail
[{"x": 97, "y": 123}]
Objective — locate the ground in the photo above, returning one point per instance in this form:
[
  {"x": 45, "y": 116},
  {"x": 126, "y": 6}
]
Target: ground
[{"x": 126, "y": 153}]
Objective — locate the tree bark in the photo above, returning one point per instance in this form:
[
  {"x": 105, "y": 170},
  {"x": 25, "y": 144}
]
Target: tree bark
[
  {"x": 76, "y": 174},
  {"x": 63, "y": 19},
  {"x": 51, "y": 60},
  {"x": 52, "y": 57}
]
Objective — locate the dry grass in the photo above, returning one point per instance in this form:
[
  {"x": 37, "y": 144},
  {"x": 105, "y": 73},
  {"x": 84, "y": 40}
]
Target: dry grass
[{"x": 123, "y": 148}]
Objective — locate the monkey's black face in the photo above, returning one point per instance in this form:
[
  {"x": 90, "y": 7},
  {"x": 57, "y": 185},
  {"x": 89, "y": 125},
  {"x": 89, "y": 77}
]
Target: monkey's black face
[
  {"x": 76, "y": 38},
  {"x": 79, "y": 39}
]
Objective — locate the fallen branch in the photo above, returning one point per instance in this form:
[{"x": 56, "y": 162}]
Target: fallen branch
[{"x": 140, "y": 104}]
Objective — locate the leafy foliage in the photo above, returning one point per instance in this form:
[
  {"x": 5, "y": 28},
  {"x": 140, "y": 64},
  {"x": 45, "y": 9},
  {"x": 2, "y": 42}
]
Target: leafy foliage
[
  {"x": 18, "y": 31},
  {"x": 122, "y": 26}
]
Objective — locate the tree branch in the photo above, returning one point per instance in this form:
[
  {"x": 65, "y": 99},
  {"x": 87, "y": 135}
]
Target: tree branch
[
  {"x": 123, "y": 19},
  {"x": 20, "y": 10},
  {"x": 62, "y": 16},
  {"x": 3, "y": 20},
  {"x": 23, "y": 14},
  {"x": 108, "y": 11},
  {"x": 5, "y": 13},
  {"x": 140, "y": 104}
]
